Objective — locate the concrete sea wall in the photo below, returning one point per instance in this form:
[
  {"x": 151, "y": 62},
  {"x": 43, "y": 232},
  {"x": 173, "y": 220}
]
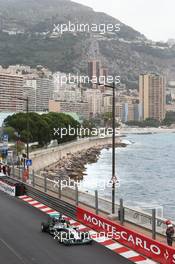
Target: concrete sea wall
[{"x": 45, "y": 157}]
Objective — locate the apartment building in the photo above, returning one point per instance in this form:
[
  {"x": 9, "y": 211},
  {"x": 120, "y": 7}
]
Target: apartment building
[
  {"x": 11, "y": 90},
  {"x": 152, "y": 95},
  {"x": 80, "y": 108}
]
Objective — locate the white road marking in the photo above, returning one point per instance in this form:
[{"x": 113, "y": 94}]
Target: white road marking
[
  {"x": 39, "y": 205},
  {"x": 129, "y": 254},
  {"x": 114, "y": 246}
]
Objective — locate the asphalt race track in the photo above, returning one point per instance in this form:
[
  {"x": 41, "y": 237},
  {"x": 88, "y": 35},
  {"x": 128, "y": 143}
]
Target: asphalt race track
[{"x": 21, "y": 241}]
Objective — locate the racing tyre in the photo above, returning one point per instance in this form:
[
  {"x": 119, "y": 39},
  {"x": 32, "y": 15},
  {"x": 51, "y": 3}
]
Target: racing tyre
[{"x": 44, "y": 227}]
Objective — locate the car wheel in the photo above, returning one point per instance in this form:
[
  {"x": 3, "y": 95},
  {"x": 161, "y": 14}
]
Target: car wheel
[{"x": 44, "y": 227}]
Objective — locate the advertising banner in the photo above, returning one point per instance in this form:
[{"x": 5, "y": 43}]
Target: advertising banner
[
  {"x": 142, "y": 244},
  {"x": 11, "y": 190}
]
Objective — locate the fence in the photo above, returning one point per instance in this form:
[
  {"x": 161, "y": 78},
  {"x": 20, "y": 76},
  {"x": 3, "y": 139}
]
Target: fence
[{"x": 99, "y": 205}]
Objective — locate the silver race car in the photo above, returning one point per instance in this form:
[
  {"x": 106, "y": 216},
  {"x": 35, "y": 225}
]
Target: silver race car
[{"x": 66, "y": 234}]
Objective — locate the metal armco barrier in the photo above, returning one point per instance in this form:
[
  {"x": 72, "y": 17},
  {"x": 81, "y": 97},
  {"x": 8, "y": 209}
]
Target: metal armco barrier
[
  {"x": 144, "y": 245},
  {"x": 54, "y": 203},
  {"x": 145, "y": 219}
]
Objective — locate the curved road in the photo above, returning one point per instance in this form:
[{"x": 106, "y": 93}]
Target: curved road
[{"x": 21, "y": 241}]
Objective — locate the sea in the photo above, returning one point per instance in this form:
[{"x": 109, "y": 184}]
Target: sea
[{"x": 145, "y": 170}]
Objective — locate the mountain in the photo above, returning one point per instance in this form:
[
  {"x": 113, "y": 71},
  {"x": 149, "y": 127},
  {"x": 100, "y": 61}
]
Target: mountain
[
  {"x": 26, "y": 37},
  {"x": 34, "y": 15}
]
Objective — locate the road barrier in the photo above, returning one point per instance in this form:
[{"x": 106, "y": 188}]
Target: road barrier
[
  {"x": 148, "y": 221},
  {"x": 11, "y": 186},
  {"x": 55, "y": 203},
  {"x": 144, "y": 245},
  {"x": 42, "y": 197}
]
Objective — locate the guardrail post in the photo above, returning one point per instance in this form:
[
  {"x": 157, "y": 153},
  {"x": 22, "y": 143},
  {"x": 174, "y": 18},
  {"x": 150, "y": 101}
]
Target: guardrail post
[
  {"x": 121, "y": 212},
  {"x": 19, "y": 172},
  {"x": 96, "y": 202},
  {"x": 76, "y": 195},
  {"x": 45, "y": 183},
  {"x": 59, "y": 189},
  {"x": 154, "y": 224},
  {"x": 33, "y": 178},
  {"x": 13, "y": 171}
]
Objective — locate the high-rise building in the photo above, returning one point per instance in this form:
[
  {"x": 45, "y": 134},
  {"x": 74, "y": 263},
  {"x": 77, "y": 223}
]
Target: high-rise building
[
  {"x": 94, "y": 71},
  {"x": 94, "y": 98},
  {"x": 39, "y": 91},
  {"x": 44, "y": 92},
  {"x": 152, "y": 95},
  {"x": 71, "y": 94},
  {"x": 107, "y": 103},
  {"x": 30, "y": 88},
  {"x": 11, "y": 89},
  {"x": 103, "y": 76},
  {"x": 133, "y": 112}
]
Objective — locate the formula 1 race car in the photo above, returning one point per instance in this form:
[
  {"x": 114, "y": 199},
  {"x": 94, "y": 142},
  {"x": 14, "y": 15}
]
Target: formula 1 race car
[
  {"x": 66, "y": 234},
  {"x": 55, "y": 223}
]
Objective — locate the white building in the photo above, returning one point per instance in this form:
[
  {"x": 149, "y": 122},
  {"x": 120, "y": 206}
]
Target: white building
[
  {"x": 39, "y": 91},
  {"x": 94, "y": 98},
  {"x": 11, "y": 90}
]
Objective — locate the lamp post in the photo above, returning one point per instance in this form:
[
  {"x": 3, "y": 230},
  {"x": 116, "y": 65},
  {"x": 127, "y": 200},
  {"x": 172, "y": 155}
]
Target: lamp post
[
  {"x": 113, "y": 178},
  {"x": 27, "y": 111}
]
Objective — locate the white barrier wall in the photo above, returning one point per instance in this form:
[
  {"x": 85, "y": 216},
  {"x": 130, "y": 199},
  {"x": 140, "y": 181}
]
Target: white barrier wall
[
  {"x": 46, "y": 157},
  {"x": 11, "y": 190}
]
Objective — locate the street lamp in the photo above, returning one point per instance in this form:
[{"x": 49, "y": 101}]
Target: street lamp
[{"x": 114, "y": 179}]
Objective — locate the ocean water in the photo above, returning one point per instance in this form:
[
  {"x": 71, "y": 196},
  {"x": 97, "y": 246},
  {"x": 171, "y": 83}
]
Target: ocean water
[{"x": 146, "y": 170}]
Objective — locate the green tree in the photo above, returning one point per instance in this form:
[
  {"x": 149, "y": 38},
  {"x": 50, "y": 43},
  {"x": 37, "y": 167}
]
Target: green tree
[
  {"x": 11, "y": 133},
  {"x": 149, "y": 122},
  {"x": 169, "y": 118},
  {"x": 41, "y": 127},
  {"x": 58, "y": 122}
]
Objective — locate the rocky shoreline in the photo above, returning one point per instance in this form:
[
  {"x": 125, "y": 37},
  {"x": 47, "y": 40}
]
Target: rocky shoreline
[{"x": 73, "y": 165}]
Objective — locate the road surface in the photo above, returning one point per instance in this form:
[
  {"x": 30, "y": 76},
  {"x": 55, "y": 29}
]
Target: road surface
[{"x": 22, "y": 242}]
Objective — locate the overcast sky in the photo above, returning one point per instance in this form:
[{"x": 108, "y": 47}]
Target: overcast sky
[{"x": 154, "y": 18}]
